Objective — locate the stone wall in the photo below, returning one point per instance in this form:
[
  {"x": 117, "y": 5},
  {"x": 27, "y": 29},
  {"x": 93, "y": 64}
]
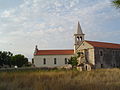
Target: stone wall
[
  {"x": 90, "y": 51},
  {"x": 107, "y": 58}
]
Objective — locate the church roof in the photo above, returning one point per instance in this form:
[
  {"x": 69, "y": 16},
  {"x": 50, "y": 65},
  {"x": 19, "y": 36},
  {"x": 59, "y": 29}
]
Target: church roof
[
  {"x": 79, "y": 30},
  {"x": 104, "y": 44},
  {"x": 54, "y": 52}
]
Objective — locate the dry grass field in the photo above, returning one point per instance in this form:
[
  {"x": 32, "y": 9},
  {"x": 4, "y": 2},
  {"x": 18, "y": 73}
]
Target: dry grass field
[{"x": 103, "y": 79}]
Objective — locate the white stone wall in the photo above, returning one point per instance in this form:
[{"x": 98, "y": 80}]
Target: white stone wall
[
  {"x": 91, "y": 56},
  {"x": 60, "y": 59},
  {"x": 90, "y": 49}
]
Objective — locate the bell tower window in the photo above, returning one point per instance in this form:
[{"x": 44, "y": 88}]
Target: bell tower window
[
  {"x": 80, "y": 38},
  {"x": 77, "y": 38}
]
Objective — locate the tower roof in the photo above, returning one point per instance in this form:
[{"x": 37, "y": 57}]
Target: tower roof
[{"x": 79, "y": 30}]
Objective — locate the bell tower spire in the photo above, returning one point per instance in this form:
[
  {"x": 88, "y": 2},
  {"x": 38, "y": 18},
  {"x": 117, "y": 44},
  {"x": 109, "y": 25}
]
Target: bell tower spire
[
  {"x": 79, "y": 37},
  {"x": 79, "y": 30}
]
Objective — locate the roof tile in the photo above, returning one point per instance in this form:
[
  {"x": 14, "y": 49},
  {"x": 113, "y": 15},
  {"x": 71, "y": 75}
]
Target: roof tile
[
  {"x": 54, "y": 52},
  {"x": 104, "y": 44}
]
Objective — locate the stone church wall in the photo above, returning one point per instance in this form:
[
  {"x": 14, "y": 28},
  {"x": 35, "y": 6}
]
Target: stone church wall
[
  {"x": 85, "y": 46},
  {"x": 107, "y": 57}
]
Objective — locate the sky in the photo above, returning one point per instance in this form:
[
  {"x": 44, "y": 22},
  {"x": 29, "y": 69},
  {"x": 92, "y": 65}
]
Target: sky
[{"x": 51, "y": 24}]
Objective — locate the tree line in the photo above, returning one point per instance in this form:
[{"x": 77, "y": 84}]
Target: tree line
[{"x": 7, "y": 58}]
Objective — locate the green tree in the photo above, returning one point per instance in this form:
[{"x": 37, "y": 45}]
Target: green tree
[
  {"x": 19, "y": 60},
  {"x": 116, "y": 3},
  {"x": 5, "y": 58},
  {"x": 73, "y": 61}
]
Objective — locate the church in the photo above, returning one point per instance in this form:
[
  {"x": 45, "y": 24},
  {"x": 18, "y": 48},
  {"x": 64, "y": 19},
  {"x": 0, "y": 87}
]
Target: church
[{"x": 92, "y": 54}]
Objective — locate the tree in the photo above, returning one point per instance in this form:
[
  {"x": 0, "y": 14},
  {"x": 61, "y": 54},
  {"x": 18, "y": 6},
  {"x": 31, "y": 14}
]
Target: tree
[
  {"x": 116, "y": 3},
  {"x": 19, "y": 60},
  {"x": 73, "y": 61},
  {"x": 5, "y": 58}
]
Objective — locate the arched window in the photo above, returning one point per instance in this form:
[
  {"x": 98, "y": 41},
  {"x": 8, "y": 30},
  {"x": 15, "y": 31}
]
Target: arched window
[
  {"x": 101, "y": 53},
  {"x": 44, "y": 61},
  {"x": 86, "y": 67},
  {"x": 80, "y": 38},
  {"x": 66, "y": 62},
  {"x": 55, "y": 61},
  {"x": 101, "y": 65}
]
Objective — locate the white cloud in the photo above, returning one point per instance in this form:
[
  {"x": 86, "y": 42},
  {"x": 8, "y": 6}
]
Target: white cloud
[
  {"x": 51, "y": 23},
  {"x": 7, "y": 13}
]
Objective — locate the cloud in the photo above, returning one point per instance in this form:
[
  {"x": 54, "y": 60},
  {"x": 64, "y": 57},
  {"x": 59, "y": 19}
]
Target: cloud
[{"x": 52, "y": 23}]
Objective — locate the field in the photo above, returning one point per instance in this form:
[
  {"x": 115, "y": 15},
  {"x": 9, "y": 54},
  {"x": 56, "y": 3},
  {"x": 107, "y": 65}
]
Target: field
[{"x": 103, "y": 79}]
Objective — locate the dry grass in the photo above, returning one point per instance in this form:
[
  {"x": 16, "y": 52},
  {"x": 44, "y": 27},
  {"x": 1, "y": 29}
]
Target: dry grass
[{"x": 104, "y": 79}]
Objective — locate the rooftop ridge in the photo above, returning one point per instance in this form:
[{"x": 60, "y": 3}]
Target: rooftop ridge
[
  {"x": 55, "y": 52},
  {"x": 101, "y": 42},
  {"x": 54, "y": 49}
]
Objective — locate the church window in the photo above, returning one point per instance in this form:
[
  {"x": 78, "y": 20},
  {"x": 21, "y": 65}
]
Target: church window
[
  {"x": 66, "y": 61},
  {"x": 101, "y": 65},
  {"x": 101, "y": 53},
  {"x": 55, "y": 61},
  {"x": 113, "y": 65},
  {"x": 86, "y": 67},
  {"x": 32, "y": 61},
  {"x": 80, "y": 38},
  {"x": 44, "y": 61},
  {"x": 77, "y": 38}
]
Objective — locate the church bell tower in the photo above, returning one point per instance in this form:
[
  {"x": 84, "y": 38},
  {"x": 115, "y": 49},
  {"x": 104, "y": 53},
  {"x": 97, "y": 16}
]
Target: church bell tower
[{"x": 79, "y": 37}]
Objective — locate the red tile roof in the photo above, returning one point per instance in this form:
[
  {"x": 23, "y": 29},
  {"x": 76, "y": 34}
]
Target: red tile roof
[
  {"x": 104, "y": 44},
  {"x": 54, "y": 52}
]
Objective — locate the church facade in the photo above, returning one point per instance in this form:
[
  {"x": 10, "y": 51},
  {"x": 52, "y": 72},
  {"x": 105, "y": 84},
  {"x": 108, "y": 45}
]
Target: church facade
[{"x": 92, "y": 54}]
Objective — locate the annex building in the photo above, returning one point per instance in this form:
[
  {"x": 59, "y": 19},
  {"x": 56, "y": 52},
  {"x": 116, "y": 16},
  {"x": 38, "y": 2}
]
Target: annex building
[{"x": 92, "y": 54}]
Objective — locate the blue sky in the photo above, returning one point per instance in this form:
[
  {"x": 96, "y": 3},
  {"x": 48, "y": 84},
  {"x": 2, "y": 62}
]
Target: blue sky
[
  {"x": 50, "y": 24},
  {"x": 7, "y": 4}
]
